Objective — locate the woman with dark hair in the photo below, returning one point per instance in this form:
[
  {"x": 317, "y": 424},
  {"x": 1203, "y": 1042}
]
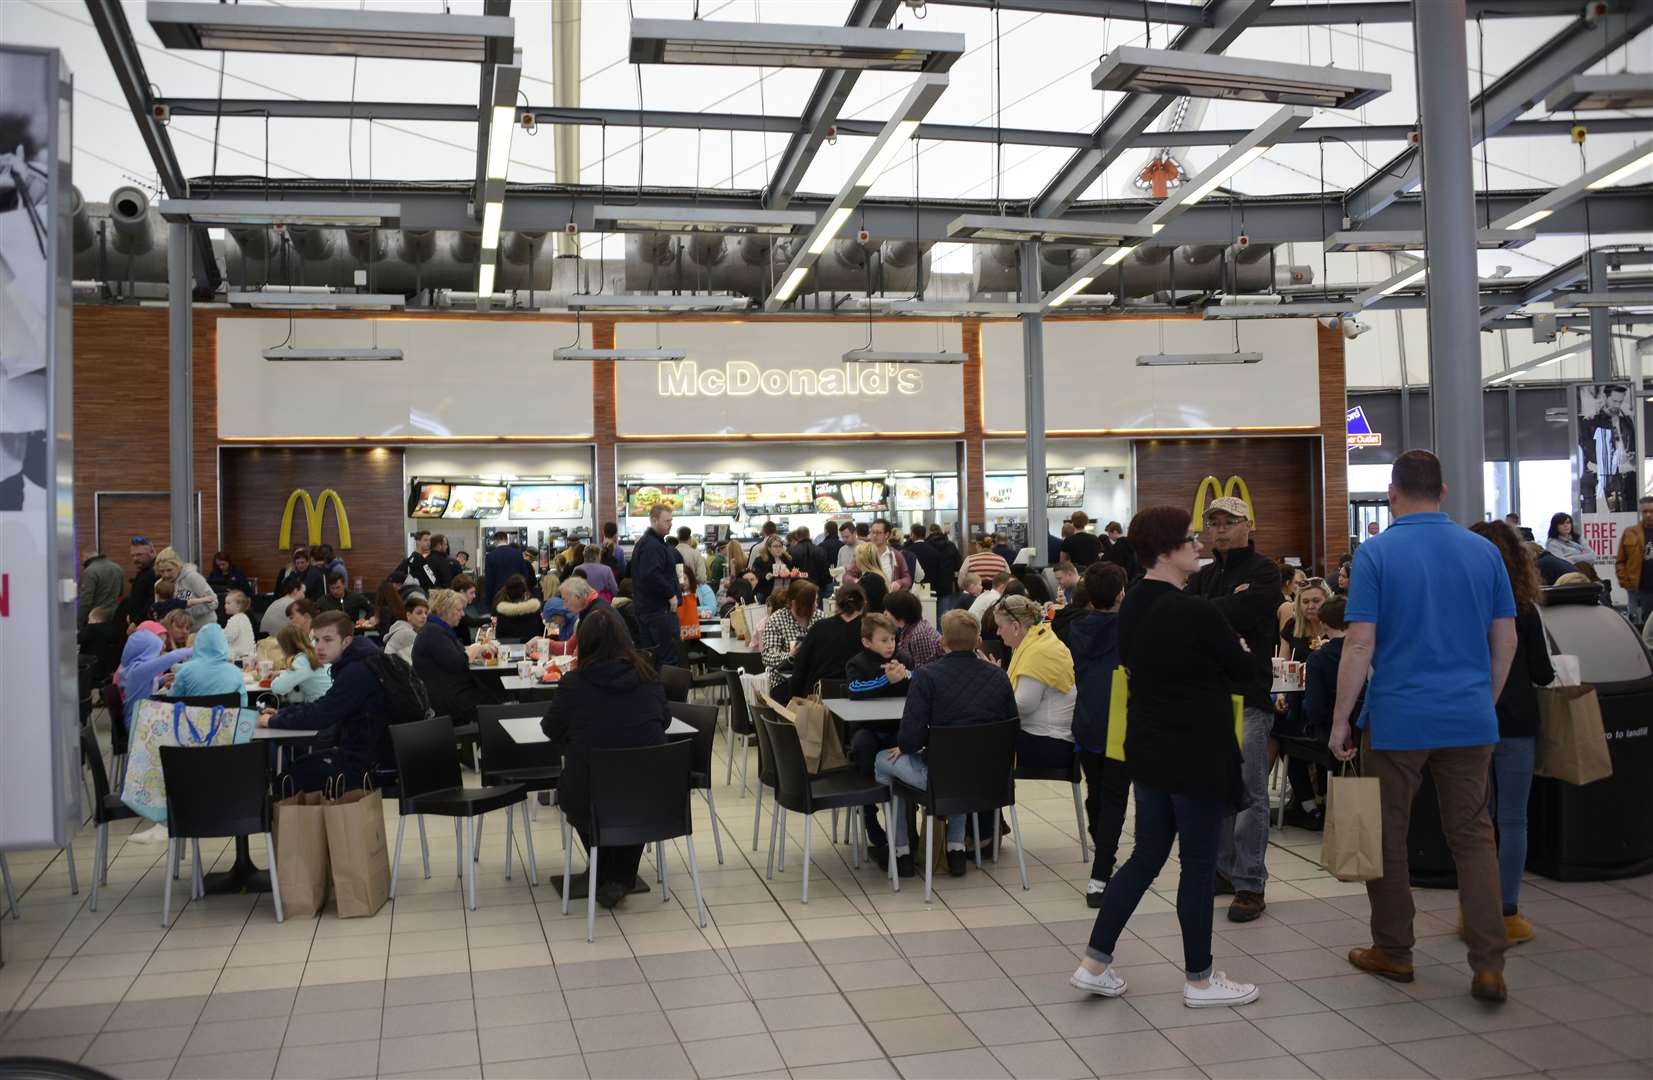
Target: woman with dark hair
[
  {"x": 517, "y": 611},
  {"x": 1563, "y": 539},
  {"x": 1184, "y": 662},
  {"x": 390, "y": 606},
  {"x": 1513, "y": 754},
  {"x": 827, "y": 647},
  {"x": 784, "y": 630},
  {"x": 611, "y": 699},
  {"x": 224, "y": 576}
]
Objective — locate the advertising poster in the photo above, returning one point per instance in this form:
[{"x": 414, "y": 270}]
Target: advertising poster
[
  {"x": 429, "y": 500},
  {"x": 851, "y": 496},
  {"x": 1006, "y": 491},
  {"x": 778, "y": 497},
  {"x": 39, "y": 766},
  {"x": 1067, "y": 490},
  {"x": 719, "y": 500},
  {"x": 547, "y": 501},
  {"x": 475, "y": 501},
  {"x": 682, "y": 498},
  {"x": 1607, "y": 466},
  {"x": 913, "y": 493},
  {"x": 947, "y": 493}
]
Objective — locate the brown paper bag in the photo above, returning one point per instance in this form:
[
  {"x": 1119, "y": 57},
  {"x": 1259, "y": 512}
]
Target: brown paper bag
[
  {"x": 357, "y": 852},
  {"x": 301, "y": 853},
  {"x": 1572, "y": 744},
  {"x": 737, "y": 622},
  {"x": 823, "y": 750},
  {"x": 1351, "y": 846}
]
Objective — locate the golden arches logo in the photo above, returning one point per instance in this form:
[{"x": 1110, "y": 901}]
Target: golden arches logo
[
  {"x": 1235, "y": 486},
  {"x": 313, "y": 514}
]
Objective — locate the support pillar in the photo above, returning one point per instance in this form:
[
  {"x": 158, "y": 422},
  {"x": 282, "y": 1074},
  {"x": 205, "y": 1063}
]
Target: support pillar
[
  {"x": 180, "y": 393},
  {"x": 1601, "y": 322},
  {"x": 1033, "y": 391},
  {"x": 1455, "y": 406}
]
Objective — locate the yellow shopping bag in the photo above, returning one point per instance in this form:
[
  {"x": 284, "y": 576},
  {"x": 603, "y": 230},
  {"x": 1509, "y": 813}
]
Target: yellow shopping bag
[{"x": 1119, "y": 696}]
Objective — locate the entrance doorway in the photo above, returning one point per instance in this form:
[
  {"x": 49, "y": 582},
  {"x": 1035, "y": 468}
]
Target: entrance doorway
[{"x": 1365, "y": 511}]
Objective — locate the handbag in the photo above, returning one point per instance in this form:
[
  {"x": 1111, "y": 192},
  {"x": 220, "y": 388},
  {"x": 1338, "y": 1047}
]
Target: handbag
[
  {"x": 1351, "y": 843},
  {"x": 162, "y": 722},
  {"x": 1119, "y": 696}
]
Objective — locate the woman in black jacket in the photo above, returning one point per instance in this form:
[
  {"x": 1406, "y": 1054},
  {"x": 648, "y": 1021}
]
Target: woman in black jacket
[
  {"x": 1184, "y": 663},
  {"x": 445, "y": 665},
  {"x": 1512, "y": 757},
  {"x": 612, "y": 699},
  {"x": 828, "y": 646},
  {"x": 517, "y": 611},
  {"x": 226, "y": 575}
]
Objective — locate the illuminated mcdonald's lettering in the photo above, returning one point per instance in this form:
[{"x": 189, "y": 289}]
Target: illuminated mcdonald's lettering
[
  {"x": 314, "y": 512},
  {"x": 1221, "y": 490}
]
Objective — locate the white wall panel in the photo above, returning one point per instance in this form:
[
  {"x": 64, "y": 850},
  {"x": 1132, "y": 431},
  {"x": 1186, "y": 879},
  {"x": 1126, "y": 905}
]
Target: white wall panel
[
  {"x": 459, "y": 377},
  {"x": 556, "y": 459},
  {"x": 1092, "y": 381},
  {"x": 668, "y": 459}
]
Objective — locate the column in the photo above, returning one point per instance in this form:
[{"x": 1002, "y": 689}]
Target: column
[
  {"x": 1601, "y": 323},
  {"x": 180, "y": 395},
  {"x": 1033, "y": 378}
]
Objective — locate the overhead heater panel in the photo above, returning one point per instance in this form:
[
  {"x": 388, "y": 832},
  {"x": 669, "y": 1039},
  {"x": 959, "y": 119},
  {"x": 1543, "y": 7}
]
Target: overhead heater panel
[
  {"x": 314, "y": 31},
  {"x": 741, "y": 44},
  {"x": 1205, "y": 75},
  {"x": 995, "y": 228},
  {"x": 693, "y": 219},
  {"x": 337, "y": 214},
  {"x": 1413, "y": 239},
  {"x": 1596, "y": 93}
]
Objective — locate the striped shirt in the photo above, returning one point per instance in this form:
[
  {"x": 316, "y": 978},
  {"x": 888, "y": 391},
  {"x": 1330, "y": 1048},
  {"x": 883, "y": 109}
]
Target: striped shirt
[{"x": 986, "y": 565}]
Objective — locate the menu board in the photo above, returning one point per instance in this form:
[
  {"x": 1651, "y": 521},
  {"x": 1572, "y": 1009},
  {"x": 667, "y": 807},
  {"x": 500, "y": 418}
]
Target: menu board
[
  {"x": 778, "y": 497},
  {"x": 682, "y": 498},
  {"x": 1066, "y": 490},
  {"x": 720, "y": 500},
  {"x": 947, "y": 493},
  {"x": 475, "y": 501},
  {"x": 1005, "y": 491},
  {"x": 846, "y": 496},
  {"x": 547, "y": 500},
  {"x": 429, "y": 500},
  {"x": 913, "y": 493}
]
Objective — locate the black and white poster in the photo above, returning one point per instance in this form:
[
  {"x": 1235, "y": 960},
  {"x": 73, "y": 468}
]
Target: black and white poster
[{"x": 1608, "y": 467}]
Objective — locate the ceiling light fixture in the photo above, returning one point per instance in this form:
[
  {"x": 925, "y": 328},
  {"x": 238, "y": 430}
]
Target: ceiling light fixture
[
  {"x": 1213, "y": 75},
  {"x": 502, "y": 123},
  {"x": 1621, "y": 298},
  {"x": 311, "y": 31},
  {"x": 492, "y": 214},
  {"x": 1072, "y": 288},
  {"x": 1189, "y": 359},
  {"x": 291, "y": 353},
  {"x": 1594, "y": 93},
  {"x": 1535, "y": 364},
  {"x": 697, "y": 41},
  {"x": 825, "y": 234},
  {"x": 484, "y": 279},
  {"x": 1394, "y": 241},
  {"x": 655, "y": 302},
  {"x": 997, "y": 228},
  {"x": 281, "y": 298},
  {"x": 881, "y": 356},
  {"x": 1240, "y": 310},
  {"x": 1399, "y": 281},
  {"x": 696, "y": 219},
  {"x": 957, "y": 307},
  {"x": 657, "y": 354},
  {"x": 1605, "y": 175},
  {"x": 228, "y": 212}
]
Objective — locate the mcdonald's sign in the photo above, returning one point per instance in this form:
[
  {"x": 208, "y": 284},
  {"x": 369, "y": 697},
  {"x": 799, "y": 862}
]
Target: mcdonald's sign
[
  {"x": 313, "y": 514},
  {"x": 1235, "y": 486}
]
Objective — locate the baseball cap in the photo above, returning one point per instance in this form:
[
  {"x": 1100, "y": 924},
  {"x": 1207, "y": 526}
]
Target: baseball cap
[{"x": 1229, "y": 504}]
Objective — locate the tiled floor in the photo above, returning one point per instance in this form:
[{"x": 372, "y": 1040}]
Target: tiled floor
[{"x": 858, "y": 983}]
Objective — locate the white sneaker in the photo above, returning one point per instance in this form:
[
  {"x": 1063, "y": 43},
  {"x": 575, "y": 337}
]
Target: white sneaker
[
  {"x": 155, "y": 834},
  {"x": 1221, "y": 993},
  {"x": 1106, "y": 984}
]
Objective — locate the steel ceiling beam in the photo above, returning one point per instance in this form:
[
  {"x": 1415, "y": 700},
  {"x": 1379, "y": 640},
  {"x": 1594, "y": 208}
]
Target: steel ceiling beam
[
  {"x": 1305, "y": 14},
  {"x": 498, "y": 53},
  {"x": 1521, "y": 88},
  {"x": 1563, "y": 276},
  {"x": 832, "y": 89},
  {"x": 1225, "y": 20}
]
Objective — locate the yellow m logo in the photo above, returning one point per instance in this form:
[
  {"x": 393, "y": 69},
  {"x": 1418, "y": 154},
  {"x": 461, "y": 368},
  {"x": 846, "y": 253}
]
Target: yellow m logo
[
  {"x": 313, "y": 514},
  {"x": 1220, "y": 490}
]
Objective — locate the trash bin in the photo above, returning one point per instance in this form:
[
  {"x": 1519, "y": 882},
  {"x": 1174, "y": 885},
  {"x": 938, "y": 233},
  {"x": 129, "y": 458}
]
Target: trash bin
[{"x": 1603, "y": 830}]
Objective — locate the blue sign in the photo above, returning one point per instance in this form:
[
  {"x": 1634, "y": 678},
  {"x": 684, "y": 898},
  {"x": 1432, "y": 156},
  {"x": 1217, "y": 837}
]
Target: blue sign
[{"x": 1360, "y": 432}]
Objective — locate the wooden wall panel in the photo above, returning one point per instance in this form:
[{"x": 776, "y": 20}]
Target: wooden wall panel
[
  {"x": 1278, "y": 471},
  {"x": 258, "y": 480},
  {"x": 974, "y": 480},
  {"x": 1334, "y": 434},
  {"x": 605, "y": 426}
]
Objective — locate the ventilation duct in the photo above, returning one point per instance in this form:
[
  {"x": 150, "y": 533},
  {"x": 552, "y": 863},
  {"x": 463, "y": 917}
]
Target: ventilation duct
[
  {"x": 129, "y": 216},
  {"x": 748, "y": 265},
  {"x": 1146, "y": 271}
]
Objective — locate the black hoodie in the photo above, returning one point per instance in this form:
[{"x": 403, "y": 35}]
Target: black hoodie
[
  {"x": 606, "y": 706},
  {"x": 1093, "y": 639}
]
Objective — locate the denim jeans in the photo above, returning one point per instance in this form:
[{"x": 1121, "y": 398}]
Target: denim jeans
[
  {"x": 1245, "y": 842},
  {"x": 1196, "y": 824},
  {"x": 911, "y": 770},
  {"x": 1639, "y": 607},
  {"x": 1512, "y": 765}
]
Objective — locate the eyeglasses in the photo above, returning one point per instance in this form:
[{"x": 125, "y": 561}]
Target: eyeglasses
[
  {"x": 1313, "y": 583},
  {"x": 1214, "y": 523},
  {"x": 1191, "y": 538}
]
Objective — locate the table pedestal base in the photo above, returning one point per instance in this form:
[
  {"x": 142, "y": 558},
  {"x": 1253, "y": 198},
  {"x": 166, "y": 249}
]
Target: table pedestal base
[
  {"x": 577, "y": 886},
  {"x": 241, "y": 878}
]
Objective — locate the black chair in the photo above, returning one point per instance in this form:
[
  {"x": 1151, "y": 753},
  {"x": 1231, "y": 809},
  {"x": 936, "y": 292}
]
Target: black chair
[
  {"x": 106, "y": 807},
  {"x": 797, "y": 791},
  {"x": 831, "y": 688},
  {"x": 211, "y": 701},
  {"x": 431, "y": 783},
  {"x": 639, "y": 795},
  {"x": 703, "y": 718},
  {"x": 741, "y": 727},
  {"x": 1309, "y": 748},
  {"x": 1075, "y": 776},
  {"x": 535, "y": 767},
  {"x": 971, "y": 771},
  {"x": 768, "y": 777},
  {"x": 216, "y": 791},
  {"x": 677, "y": 682}
]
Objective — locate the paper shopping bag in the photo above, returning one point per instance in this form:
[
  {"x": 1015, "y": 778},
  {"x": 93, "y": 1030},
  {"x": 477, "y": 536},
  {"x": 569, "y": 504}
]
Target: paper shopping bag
[
  {"x": 823, "y": 750},
  {"x": 301, "y": 853},
  {"x": 1351, "y": 846},
  {"x": 688, "y": 618},
  {"x": 357, "y": 853},
  {"x": 1572, "y": 745}
]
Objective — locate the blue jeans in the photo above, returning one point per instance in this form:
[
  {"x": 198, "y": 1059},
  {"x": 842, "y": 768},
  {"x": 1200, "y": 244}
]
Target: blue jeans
[
  {"x": 663, "y": 632},
  {"x": 1512, "y": 765},
  {"x": 1639, "y": 606},
  {"x": 1196, "y": 825},
  {"x": 1246, "y": 842},
  {"x": 912, "y": 770}
]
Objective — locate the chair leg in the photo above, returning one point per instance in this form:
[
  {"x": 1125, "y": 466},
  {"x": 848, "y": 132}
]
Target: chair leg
[
  {"x": 834, "y": 825},
  {"x": 809, "y": 827},
  {"x": 396, "y": 859},
  {"x": 774, "y": 813},
  {"x": 780, "y": 849},
  {"x": 929, "y": 856},
  {"x": 729, "y": 769},
  {"x": 891, "y": 809},
  {"x": 476, "y": 842},
  {"x": 590, "y": 894},
  {"x": 757, "y": 814},
  {"x": 745, "y": 767},
  {"x": 993, "y": 823},
  {"x": 694, "y": 875},
  {"x": 100, "y": 858},
  {"x": 471, "y": 824},
  {"x": 528, "y": 840},
  {"x": 1079, "y": 818},
  {"x": 509, "y": 835},
  {"x": 177, "y": 860},
  {"x": 857, "y": 826},
  {"x": 197, "y": 882},
  {"x": 717, "y": 837},
  {"x": 11, "y": 891},
  {"x": 975, "y": 823},
  {"x": 567, "y": 862},
  {"x": 74, "y": 875},
  {"x": 424, "y": 844},
  {"x": 1021, "y": 860},
  {"x": 166, "y": 891},
  {"x": 275, "y": 877},
  {"x": 660, "y": 864},
  {"x": 460, "y": 846}
]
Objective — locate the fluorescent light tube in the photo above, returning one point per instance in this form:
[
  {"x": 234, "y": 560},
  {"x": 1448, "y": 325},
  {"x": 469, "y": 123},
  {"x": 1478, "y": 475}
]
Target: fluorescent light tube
[
  {"x": 278, "y": 212},
  {"x": 1605, "y": 175},
  {"x": 654, "y": 302},
  {"x": 1276, "y": 311},
  {"x": 1622, "y": 298},
  {"x": 1622, "y": 171},
  {"x": 1118, "y": 255},
  {"x": 881, "y": 356},
  {"x": 500, "y": 131},
  {"x": 658, "y": 354},
  {"x": 1277, "y": 126},
  {"x": 341, "y": 354},
  {"x": 1189, "y": 359},
  {"x": 1399, "y": 281},
  {"x": 1630, "y": 90},
  {"x": 491, "y": 214},
  {"x": 899, "y": 135},
  {"x": 485, "y": 279},
  {"x": 834, "y": 222},
  {"x": 1208, "y": 184},
  {"x": 1079, "y": 285},
  {"x": 280, "y": 298},
  {"x": 1531, "y": 219},
  {"x": 790, "y": 285},
  {"x": 992, "y": 227}
]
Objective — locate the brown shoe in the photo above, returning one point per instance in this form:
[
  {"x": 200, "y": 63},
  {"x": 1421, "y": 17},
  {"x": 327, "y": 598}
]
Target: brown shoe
[
  {"x": 1225, "y": 887},
  {"x": 1246, "y": 907},
  {"x": 1488, "y": 986},
  {"x": 1375, "y": 962}
]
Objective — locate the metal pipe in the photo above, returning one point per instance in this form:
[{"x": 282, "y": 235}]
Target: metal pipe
[
  {"x": 84, "y": 235},
  {"x": 366, "y": 245},
  {"x": 1456, "y": 408},
  {"x": 418, "y": 245},
  {"x": 466, "y": 247},
  {"x": 1198, "y": 254},
  {"x": 129, "y": 214},
  {"x": 1601, "y": 323},
  {"x": 565, "y": 92},
  {"x": 1033, "y": 374},
  {"x": 254, "y": 241},
  {"x": 180, "y": 403}
]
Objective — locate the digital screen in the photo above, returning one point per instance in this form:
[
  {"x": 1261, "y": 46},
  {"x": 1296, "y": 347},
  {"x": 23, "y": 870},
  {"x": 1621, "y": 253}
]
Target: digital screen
[
  {"x": 947, "y": 493},
  {"x": 843, "y": 496},
  {"x": 720, "y": 500},
  {"x": 778, "y": 497},
  {"x": 682, "y": 498},
  {"x": 428, "y": 501},
  {"x": 913, "y": 493},
  {"x": 1005, "y": 491},
  {"x": 547, "y": 500},
  {"x": 475, "y": 501},
  {"x": 1066, "y": 490}
]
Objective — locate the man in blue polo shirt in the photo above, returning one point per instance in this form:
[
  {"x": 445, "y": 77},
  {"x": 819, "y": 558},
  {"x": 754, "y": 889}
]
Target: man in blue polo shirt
[{"x": 1432, "y": 617}]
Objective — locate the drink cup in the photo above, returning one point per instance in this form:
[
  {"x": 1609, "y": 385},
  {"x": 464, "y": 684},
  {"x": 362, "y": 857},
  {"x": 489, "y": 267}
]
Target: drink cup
[
  {"x": 525, "y": 668},
  {"x": 265, "y": 668}
]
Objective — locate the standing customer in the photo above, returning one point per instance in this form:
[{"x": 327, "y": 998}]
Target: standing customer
[
  {"x": 654, "y": 587},
  {"x": 610, "y": 700},
  {"x": 1093, "y": 641},
  {"x": 1432, "y": 618},
  {"x": 101, "y": 582},
  {"x": 1635, "y": 563},
  {"x": 1513, "y": 757},
  {"x": 189, "y": 586},
  {"x": 1041, "y": 673},
  {"x": 985, "y": 563},
  {"x": 1245, "y": 586},
  {"x": 142, "y": 594},
  {"x": 1184, "y": 659}
]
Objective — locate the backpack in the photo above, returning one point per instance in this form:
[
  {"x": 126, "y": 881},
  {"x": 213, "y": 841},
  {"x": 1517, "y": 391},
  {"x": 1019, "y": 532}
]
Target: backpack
[{"x": 404, "y": 692}]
